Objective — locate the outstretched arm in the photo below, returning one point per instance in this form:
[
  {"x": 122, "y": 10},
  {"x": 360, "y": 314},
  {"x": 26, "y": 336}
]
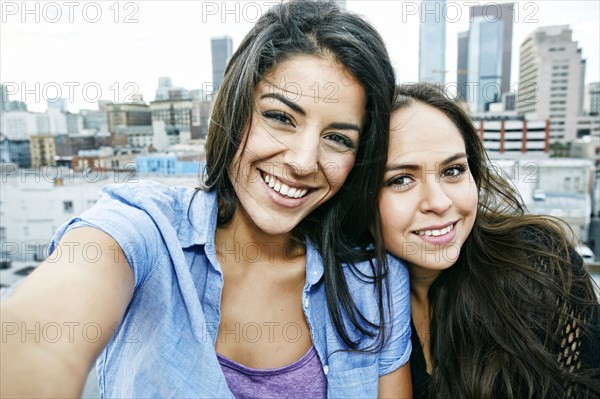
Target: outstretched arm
[{"x": 59, "y": 319}]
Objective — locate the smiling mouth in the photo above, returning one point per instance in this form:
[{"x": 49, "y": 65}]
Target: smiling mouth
[
  {"x": 435, "y": 232},
  {"x": 282, "y": 188}
]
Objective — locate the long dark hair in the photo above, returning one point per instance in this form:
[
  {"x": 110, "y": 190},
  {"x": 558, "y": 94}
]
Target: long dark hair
[
  {"x": 516, "y": 316},
  {"x": 340, "y": 226}
]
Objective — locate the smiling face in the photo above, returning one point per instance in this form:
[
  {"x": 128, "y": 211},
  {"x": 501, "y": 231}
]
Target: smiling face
[
  {"x": 428, "y": 203},
  {"x": 301, "y": 145}
]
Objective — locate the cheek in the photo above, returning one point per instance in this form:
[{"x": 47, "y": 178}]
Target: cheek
[
  {"x": 394, "y": 218},
  {"x": 336, "y": 170}
]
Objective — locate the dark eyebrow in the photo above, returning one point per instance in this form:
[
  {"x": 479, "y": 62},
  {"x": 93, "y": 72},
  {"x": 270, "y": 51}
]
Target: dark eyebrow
[
  {"x": 295, "y": 107},
  {"x": 413, "y": 166},
  {"x": 345, "y": 126},
  {"x": 284, "y": 100}
]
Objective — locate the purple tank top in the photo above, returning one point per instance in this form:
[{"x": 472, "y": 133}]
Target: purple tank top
[{"x": 302, "y": 379}]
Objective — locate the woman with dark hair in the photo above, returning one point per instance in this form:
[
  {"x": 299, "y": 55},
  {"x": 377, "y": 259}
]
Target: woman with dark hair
[
  {"x": 263, "y": 282},
  {"x": 501, "y": 304}
]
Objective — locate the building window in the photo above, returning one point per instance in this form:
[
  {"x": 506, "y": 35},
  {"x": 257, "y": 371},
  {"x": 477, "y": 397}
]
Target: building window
[{"x": 68, "y": 206}]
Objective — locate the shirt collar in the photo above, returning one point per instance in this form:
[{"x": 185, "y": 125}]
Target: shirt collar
[
  {"x": 314, "y": 264},
  {"x": 198, "y": 228},
  {"x": 199, "y": 223}
]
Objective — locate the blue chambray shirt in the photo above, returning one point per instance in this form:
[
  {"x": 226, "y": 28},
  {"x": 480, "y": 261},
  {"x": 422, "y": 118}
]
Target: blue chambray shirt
[{"x": 165, "y": 344}]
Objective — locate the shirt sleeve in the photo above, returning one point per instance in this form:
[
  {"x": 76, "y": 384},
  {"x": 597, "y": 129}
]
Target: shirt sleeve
[
  {"x": 396, "y": 351},
  {"x": 131, "y": 227}
]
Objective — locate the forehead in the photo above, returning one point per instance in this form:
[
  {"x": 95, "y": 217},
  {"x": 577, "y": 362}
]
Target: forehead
[
  {"x": 321, "y": 79},
  {"x": 422, "y": 128}
]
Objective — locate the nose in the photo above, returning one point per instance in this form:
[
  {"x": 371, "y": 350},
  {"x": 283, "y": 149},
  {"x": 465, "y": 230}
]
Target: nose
[
  {"x": 434, "y": 197},
  {"x": 302, "y": 153}
]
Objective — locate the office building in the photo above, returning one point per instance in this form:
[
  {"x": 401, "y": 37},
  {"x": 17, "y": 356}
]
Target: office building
[
  {"x": 43, "y": 151},
  {"x": 164, "y": 85},
  {"x": 505, "y": 136},
  {"x": 462, "y": 62},
  {"x": 128, "y": 115},
  {"x": 551, "y": 76},
  {"x": 221, "y": 49},
  {"x": 3, "y": 98},
  {"x": 177, "y": 117},
  {"x": 432, "y": 42},
  {"x": 489, "y": 54},
  {"x": 591, "y": 99}
]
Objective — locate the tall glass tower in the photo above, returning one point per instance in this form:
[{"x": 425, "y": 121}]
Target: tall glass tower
[
  {"x": 222, "y": 49},
  {"x": 489, "y": 54},
  {"x": 432, "y": 42}
]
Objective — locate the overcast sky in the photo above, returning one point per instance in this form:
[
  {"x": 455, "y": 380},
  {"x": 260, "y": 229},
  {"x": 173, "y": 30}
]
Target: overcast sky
[{"x": 85, "y": 50}]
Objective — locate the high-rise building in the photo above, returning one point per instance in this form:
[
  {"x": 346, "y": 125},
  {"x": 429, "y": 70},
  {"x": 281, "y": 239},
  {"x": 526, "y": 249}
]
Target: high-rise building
[
  {"x": 591, "y": 99},
  {"x": 489, "y": 54},
  {"x": 432, "y": 42},
  {"x": 164, "y": 85},
  {"x": 222, "y": 49},
  {"x": 462, "y": 62},
  {"x": 551, "y": 73},
  {"x": 3, "y": 98}
]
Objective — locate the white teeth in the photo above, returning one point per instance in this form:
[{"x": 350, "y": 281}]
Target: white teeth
[
  {"x": 283, "y": 189},
  {"x": 436, "y": 233}
]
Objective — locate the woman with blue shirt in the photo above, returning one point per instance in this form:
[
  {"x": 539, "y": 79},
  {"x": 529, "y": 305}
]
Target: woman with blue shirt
[{"x": 261, "y": 283}]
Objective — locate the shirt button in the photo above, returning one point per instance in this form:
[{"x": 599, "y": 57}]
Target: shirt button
[
  {"x": 306, "y": 303},
  {"x": 326, "y": 369}
]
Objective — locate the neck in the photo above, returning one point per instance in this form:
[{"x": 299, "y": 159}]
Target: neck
[
  {"x": 243, "y": 241},
  {"x": 420, "y": 281}
]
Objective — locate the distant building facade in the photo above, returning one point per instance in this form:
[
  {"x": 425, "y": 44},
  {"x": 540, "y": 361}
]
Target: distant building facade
[
  {"x": 43, "y": 151},
  {"x": 551, "y": 76},
  {"x": 513, "y": 138},
  {"x": 128, "y": 115}
]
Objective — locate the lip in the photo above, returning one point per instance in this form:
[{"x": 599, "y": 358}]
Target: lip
[
  {"x": 282, "y": 200},
  {"x": 436, "y": 226},
  {"x": 439, "y": 240},
  {"x": 287, "y": 182}
]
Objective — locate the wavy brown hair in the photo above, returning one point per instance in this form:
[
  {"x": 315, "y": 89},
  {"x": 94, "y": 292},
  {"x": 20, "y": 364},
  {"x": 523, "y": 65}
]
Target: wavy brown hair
[{"x": 516, "y": 316}]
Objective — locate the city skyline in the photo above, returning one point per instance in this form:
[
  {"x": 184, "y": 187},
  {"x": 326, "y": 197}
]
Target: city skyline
[{"x": 132, "y": 44}]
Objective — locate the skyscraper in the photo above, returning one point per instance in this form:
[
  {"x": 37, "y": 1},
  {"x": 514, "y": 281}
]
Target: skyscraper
[
  {"x": 432, "y": 42},
  {"x": 3, "y": 98},
  {"x": 222, "y": 49},
  {"x": 591, "y": 98},
  {"x": 462, "y": 62},
  {"x": 551, "y": 73},
  {"x": 489, "y": 54},
  {"x": 164, "y": 85}
]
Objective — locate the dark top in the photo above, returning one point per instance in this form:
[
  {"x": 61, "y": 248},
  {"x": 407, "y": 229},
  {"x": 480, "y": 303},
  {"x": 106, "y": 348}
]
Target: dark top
[
  {"x": 418, "y": 367},
  {"x": 574, "y": 352}
]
